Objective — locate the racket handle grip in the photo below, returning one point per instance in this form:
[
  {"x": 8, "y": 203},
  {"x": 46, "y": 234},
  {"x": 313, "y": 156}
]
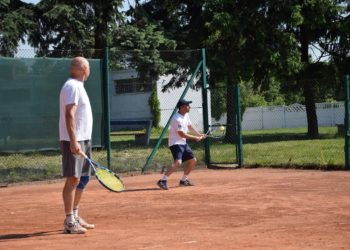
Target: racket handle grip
[{"x": 83, "y": 154}]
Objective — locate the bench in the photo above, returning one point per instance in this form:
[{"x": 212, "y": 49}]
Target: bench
[{"x": 127, "y": 126}]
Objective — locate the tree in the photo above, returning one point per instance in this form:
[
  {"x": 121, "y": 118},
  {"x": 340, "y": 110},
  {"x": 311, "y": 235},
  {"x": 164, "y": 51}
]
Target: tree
[
  {"x": 263, "y": 42},
  {"x": 155, "y": 107},
  {"x": 245, "y": 39},
  {"x": 68, "y": 27},
  {"x": 16, "y": 23},
  {"x": 335, "y": 43},
  {"x": 172, "y": 18},
  {"x": 138, "y": 47},
  {"x": 316, "y": 16}
]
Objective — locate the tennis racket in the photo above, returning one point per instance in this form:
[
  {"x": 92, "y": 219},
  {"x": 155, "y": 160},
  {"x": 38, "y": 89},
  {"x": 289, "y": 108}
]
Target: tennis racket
[
  {"x": 106, "y": 177},
  {"x": 217, "y": 133}
]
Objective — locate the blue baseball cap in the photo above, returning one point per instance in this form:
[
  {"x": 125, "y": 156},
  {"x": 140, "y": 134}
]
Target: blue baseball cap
[{"x": 183, "y": 102}]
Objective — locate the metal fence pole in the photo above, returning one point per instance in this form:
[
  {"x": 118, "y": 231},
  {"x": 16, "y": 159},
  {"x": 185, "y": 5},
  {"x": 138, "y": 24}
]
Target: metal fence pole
[
  {"x": 239, "y": 140},
  {"x": 346, "y": 123},
  {"x": 107, "y": 119},
  {"x": 205, "y": 107}
]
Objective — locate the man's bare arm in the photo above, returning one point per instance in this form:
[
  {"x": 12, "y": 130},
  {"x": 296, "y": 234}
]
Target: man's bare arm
[
  {"x": 191, "y": 137},
  {"x": 70, "y": 124}
]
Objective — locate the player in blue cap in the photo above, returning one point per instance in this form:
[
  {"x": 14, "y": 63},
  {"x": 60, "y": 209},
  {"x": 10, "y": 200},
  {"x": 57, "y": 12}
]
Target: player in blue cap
[{"x": 180, "y": 127}]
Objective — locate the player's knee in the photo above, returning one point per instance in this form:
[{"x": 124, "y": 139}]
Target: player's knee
[
  {"x": 72, "y": 181},
  {"x": 83, "y": 182},
  {"x": 177, "y": 163},
  {"x": 192, "y": 161}
]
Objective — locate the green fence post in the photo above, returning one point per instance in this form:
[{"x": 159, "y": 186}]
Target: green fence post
[
  {"x": 239, "y": 140},
  {"x": 346, "y": 123},
  {"x": 107, "y": 119},
  {"x": 205, "y": 107}
]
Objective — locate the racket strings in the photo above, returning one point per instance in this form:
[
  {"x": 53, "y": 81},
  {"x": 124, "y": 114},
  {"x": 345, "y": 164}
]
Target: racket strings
[
  {"x": 109, "y": 180},
  {"x": 216, "y": 134}
]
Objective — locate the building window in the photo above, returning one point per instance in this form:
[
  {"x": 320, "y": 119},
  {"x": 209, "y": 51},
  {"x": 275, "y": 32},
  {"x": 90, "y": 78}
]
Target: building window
[{"x": 133, "y": 85}]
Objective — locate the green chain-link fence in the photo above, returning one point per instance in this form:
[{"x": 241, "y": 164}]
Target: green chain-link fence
[{"x": 272, "y": 136}]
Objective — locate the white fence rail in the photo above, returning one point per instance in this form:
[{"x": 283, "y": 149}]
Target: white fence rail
[{"x": 293, "y": 116}]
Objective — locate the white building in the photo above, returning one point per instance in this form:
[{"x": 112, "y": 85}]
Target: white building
[{"x": 128, "y": 96}]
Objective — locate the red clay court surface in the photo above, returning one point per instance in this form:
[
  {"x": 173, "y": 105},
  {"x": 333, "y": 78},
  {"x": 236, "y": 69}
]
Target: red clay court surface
[{"x": 227, "y": 209}]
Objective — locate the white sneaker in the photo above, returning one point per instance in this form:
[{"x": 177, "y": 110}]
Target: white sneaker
[
  {"x": 73, "y": 228},
  {"x": 84, "y": 224}
]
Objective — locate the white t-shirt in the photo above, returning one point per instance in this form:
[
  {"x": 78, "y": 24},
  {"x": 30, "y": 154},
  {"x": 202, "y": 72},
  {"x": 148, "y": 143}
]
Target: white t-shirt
[
  {"x": 178, "y": 123},
  {"x": 73, "y": 91}
]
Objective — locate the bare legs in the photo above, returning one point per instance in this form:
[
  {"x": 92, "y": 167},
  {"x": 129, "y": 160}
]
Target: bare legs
[
  {"x": 71, "y": 196},
  {"x": 190, "y": 164}
]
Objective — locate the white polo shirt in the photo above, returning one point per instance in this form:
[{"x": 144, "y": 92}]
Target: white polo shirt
[
  {"x": 178, "y": 123},
  {"x": 73, "y": 91}
]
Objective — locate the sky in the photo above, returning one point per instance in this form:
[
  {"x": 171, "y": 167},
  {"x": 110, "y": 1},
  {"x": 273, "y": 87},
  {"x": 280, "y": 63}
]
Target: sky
[
  {"x": 30, "y": 1},
  {"x": 126, "y": 2}
]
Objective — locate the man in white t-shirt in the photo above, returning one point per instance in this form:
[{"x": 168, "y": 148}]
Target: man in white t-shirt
[
  {"x": 75, "y": 130},
  {"x": 181, "y": 151}
]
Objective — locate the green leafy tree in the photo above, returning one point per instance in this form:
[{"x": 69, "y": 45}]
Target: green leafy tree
[
  {"x": 335, "y": 45},
  {"x": 317, "y": 16},
  {"x": 245, "y": 40},
  {"x": 173, "y": 23},
  {"x": 16, "y": 23},
  {"x": 264, "y": 42},
  {"x": 72, "y": 27},
  {"x": 155, "y": 106},
  {"x": 142, "y": 45}
]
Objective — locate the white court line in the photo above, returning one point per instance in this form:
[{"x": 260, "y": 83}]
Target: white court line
[
  {"x": 151, "y": 247},
  {"x": 158, "y": 246},
  {"x": 190, "y": 242}
]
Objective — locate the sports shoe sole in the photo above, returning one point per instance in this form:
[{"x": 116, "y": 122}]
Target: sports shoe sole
[
  {"x": 162, "y": 187},
  {"x": 68, "y": 231},
  {"x": 76, "y": 229},
  {"x": 186, "y": 185}
]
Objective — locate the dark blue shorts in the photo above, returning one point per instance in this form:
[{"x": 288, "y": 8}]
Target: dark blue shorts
[{"x": 182, "y": 152}]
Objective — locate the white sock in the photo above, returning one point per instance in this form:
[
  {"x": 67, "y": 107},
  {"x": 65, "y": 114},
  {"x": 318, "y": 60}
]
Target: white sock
[
  {"x": 184, "y": 178},
  {"x": 75, "y": 212},
  {"x": 164, "y": 178},
  {"x": 70, "y": 218}
]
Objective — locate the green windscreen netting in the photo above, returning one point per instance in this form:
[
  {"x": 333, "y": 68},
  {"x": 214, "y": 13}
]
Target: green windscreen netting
[{"x": 29, "y": 102}]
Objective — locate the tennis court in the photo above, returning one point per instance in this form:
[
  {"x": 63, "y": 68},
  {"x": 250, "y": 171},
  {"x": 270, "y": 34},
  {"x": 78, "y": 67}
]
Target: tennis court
[{"x": 227, "y": 209}]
